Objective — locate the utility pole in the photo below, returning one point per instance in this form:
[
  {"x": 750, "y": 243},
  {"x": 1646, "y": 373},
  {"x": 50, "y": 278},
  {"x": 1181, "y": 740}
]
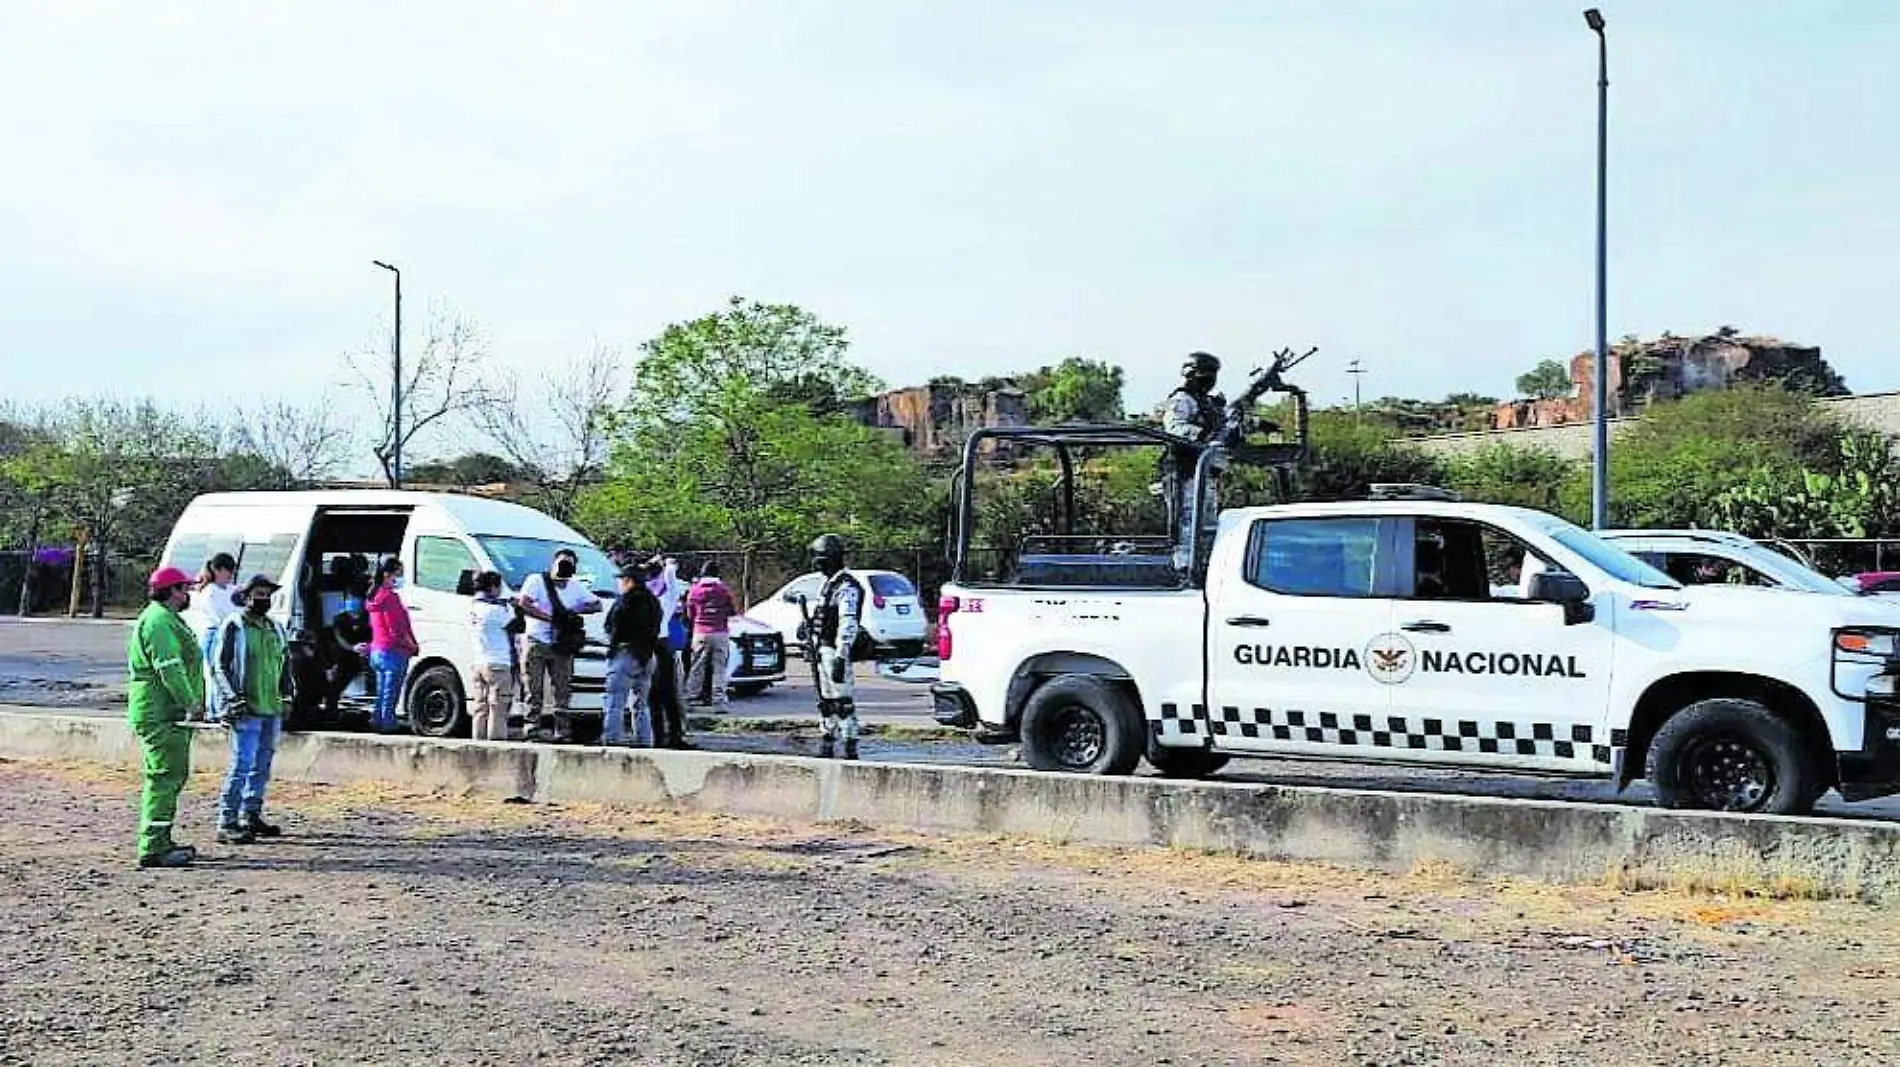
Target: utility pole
[
  {"x": 1600, "y": 422},
  {"x": 395, "y": 386},
  {"x": 1356, "y": 370}
]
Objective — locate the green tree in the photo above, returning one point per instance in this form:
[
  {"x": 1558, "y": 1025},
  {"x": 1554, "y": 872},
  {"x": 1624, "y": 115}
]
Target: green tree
[
  {"x": 711, "y": 451},
  {"x": 1350, "y": 455},
  {"x": 1075, "y": 390},
  {"x": 1504, "y": 474},
  {"x": 1671, "y": 466},
  {"x": 466, "y": 471},
  {"x": 1546, "y": 381}
]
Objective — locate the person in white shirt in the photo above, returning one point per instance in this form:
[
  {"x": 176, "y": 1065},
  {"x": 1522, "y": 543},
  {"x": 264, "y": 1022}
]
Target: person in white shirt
[
  {"x": 549, "y": 656},
  {"x": 217, "y": 583},
  {"x": 488, "y": 618}
]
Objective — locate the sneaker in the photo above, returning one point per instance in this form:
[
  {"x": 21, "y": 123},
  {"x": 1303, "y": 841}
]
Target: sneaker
[
  {"x": 176, "y": 856},
  {"x": 233, "y": 834},
  {"x": 257, "y": 827}
]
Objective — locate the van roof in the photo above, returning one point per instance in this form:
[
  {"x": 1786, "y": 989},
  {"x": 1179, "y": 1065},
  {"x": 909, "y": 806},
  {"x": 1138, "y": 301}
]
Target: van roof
[{"x": 474, "y": 513}]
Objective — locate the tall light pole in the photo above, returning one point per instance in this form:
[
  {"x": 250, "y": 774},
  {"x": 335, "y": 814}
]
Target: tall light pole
[
  {"x": 1355, "y": 370},
  {"x": 1600, "y": 417},
  {"x": 395, "y": 385}
]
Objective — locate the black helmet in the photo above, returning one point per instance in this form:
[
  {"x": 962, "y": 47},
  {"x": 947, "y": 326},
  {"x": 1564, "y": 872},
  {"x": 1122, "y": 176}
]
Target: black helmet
[
  {"x": 1201, "y": 364},
  {"x": 827, "y": 552}
]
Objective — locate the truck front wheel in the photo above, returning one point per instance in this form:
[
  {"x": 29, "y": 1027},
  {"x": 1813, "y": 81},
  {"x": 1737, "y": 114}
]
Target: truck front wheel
[
  {"x": 1729, "y": 754},
  {"x": 1081, "y": 724}
]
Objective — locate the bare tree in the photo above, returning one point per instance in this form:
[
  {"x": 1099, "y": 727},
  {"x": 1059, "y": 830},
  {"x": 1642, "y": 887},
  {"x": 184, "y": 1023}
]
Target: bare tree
[
  {"x": 441, "y": 377},
  {"x": 300, "y": 445},
  {"x": 557, "y": 431}
]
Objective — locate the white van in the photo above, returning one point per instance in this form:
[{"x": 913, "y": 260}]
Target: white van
[{"x": 444, "y": 540}]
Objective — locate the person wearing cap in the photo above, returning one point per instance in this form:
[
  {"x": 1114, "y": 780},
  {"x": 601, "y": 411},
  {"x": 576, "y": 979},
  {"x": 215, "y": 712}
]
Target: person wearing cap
[
  {"x": 249, "y": 661},
  {"x": 633, "y": 637},
  {"x": 165, "y": 689}
]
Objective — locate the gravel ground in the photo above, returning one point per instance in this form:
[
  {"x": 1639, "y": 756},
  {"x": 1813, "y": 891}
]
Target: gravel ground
[{"x": 400, "y": 928}]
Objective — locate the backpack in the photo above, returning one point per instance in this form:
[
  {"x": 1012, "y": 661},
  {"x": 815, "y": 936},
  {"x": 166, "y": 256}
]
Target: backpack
[{"x": 570, "y": 630}]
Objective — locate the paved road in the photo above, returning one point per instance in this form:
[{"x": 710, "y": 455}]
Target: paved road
[{"x": 79, "y": 668}]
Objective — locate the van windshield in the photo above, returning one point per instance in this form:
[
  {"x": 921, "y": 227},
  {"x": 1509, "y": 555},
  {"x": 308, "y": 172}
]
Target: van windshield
[{"x": 518, "y": 557}]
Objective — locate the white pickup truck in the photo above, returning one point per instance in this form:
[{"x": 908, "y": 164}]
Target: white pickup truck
[{"x": 1424, "y": 630}]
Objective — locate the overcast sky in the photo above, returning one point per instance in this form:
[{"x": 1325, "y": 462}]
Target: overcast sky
[{"x": 191, "y": 193}]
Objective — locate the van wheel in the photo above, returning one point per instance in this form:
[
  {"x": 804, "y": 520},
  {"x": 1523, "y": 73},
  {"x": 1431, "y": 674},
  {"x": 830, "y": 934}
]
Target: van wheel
[
  {"x": 436, "y": 705},
  {"x": 1081, "y": 724},
  {"x": 1185, "y": 762},
  {"x": 1729, "y": 754}
]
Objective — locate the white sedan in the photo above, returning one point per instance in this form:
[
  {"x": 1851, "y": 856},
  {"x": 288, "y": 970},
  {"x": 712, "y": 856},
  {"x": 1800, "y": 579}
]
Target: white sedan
[{"x": 892, "y": 613}]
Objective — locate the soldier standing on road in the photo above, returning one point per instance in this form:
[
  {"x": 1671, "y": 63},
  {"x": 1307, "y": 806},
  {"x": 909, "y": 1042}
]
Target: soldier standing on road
[
  {"x": 1195, "y": 412},
  {"x": 165, "y": 690},
  {"x": 835, "y": 631}
]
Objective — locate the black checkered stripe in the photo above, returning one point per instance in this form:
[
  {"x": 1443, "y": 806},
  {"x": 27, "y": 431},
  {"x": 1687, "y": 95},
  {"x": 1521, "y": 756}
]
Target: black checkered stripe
[{"x": 1577, "y": 743}]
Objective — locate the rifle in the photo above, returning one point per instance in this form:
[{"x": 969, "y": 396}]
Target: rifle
[{"x": 1238, "y": 421}]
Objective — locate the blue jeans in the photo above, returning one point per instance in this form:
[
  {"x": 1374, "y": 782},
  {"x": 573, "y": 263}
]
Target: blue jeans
[
  {"x": 391, "y": 668},
  {"x": 628, "y": 682},
  {"x": 211, "y": 687},
  {"x": 253, "y": 746}
]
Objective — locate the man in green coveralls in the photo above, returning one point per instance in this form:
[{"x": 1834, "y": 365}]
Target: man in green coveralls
[{"x": 166, "y": 689}]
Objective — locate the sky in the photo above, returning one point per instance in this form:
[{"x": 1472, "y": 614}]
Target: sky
[{"x": 191, "y": 193}]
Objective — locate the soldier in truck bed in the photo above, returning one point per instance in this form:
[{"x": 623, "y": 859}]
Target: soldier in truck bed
[{"x": 1193, "y": 411}]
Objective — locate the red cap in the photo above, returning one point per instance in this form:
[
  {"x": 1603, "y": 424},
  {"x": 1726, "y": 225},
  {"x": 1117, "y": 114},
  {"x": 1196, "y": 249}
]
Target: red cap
[{"x": 167, "y": 577}]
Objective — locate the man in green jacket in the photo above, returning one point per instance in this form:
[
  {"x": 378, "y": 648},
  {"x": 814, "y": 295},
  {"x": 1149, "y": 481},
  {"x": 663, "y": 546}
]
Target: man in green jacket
[{"x": 166, "y": 689}]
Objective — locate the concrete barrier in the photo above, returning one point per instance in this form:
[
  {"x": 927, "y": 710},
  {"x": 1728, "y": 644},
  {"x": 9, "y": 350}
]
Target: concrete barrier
[{"x": 1545, "y": 840}]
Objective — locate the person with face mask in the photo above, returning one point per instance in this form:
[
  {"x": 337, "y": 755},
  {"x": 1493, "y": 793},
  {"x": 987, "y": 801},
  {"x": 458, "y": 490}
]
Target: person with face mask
[
  {"x": 165, "y": 689},
  {"x": 251, "y": 670},
  {"x": 1193, "y": 411},
  {"x": 553, "y": 604},
  {"x": 835, "y": 627},
  {"x": 392, "y": 643},
  {"x": 216, "y": 583}
]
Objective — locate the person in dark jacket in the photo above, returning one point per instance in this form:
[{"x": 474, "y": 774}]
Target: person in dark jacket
[{"x": 633, "y": 637}]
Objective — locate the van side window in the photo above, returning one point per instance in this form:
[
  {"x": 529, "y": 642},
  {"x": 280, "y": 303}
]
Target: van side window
[
  {"x": 440, "y": 562},
  {"x": 268, "y": 558},
  {"x": 1315, "y": 557},
  {"x": 192, "y": 551}
]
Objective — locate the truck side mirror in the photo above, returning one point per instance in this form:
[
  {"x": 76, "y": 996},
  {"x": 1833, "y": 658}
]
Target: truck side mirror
[
  {"x": 1556, "y": 587},
  {"x": 465, "y": 584},
  {"x": 796, "y": 598}
]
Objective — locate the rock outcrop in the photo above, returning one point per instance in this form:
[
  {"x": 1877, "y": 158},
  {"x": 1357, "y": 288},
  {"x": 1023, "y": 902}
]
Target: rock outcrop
[
  {"x": 1646, "y": 372},
  {"x": 935, "y": 420}
]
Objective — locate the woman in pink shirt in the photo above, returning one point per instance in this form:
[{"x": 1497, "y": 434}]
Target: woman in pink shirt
[{"x": 392, "y": 642}]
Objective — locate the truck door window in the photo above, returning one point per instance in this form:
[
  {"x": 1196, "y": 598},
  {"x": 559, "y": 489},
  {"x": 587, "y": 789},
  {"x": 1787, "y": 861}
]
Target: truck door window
[
  {"x": 1315, "y": 557},
  {"x": 1456, "y": 559},
  {"x": 440, "y": 562}
]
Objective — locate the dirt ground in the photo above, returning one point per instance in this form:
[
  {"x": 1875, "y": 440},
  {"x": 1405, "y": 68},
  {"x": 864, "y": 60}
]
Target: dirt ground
[{"x": 400, "y": 928}]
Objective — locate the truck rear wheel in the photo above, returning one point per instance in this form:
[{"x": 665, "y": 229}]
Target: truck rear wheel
[
  {"x": 1729, "y": 754},
  {"x": 1081, "y": 724},
  {"x": 1185, "y": 762}
]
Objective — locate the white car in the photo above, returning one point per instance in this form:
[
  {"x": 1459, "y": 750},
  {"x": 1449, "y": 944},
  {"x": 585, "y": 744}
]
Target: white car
[
  {"x": 1724, "y": 560},
  {"x": 892, "y": 612}
]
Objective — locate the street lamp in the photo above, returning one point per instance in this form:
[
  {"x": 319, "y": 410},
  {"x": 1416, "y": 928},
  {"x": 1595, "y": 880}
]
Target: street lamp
[
  {"x": 395, "y": 385},
  {"x": 1600, "y": 418}
]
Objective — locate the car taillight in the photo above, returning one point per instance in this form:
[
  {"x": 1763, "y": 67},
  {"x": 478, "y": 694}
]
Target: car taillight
[
  {"x": 877, "y": 601},
  {"x": 946, "y": 607}
]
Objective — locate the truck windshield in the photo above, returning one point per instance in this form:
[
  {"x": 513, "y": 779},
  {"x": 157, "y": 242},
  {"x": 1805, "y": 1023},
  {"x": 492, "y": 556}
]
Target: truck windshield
[
  {"x": 1607, "y": 557},
  {"x": 518, "y": 557}
]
